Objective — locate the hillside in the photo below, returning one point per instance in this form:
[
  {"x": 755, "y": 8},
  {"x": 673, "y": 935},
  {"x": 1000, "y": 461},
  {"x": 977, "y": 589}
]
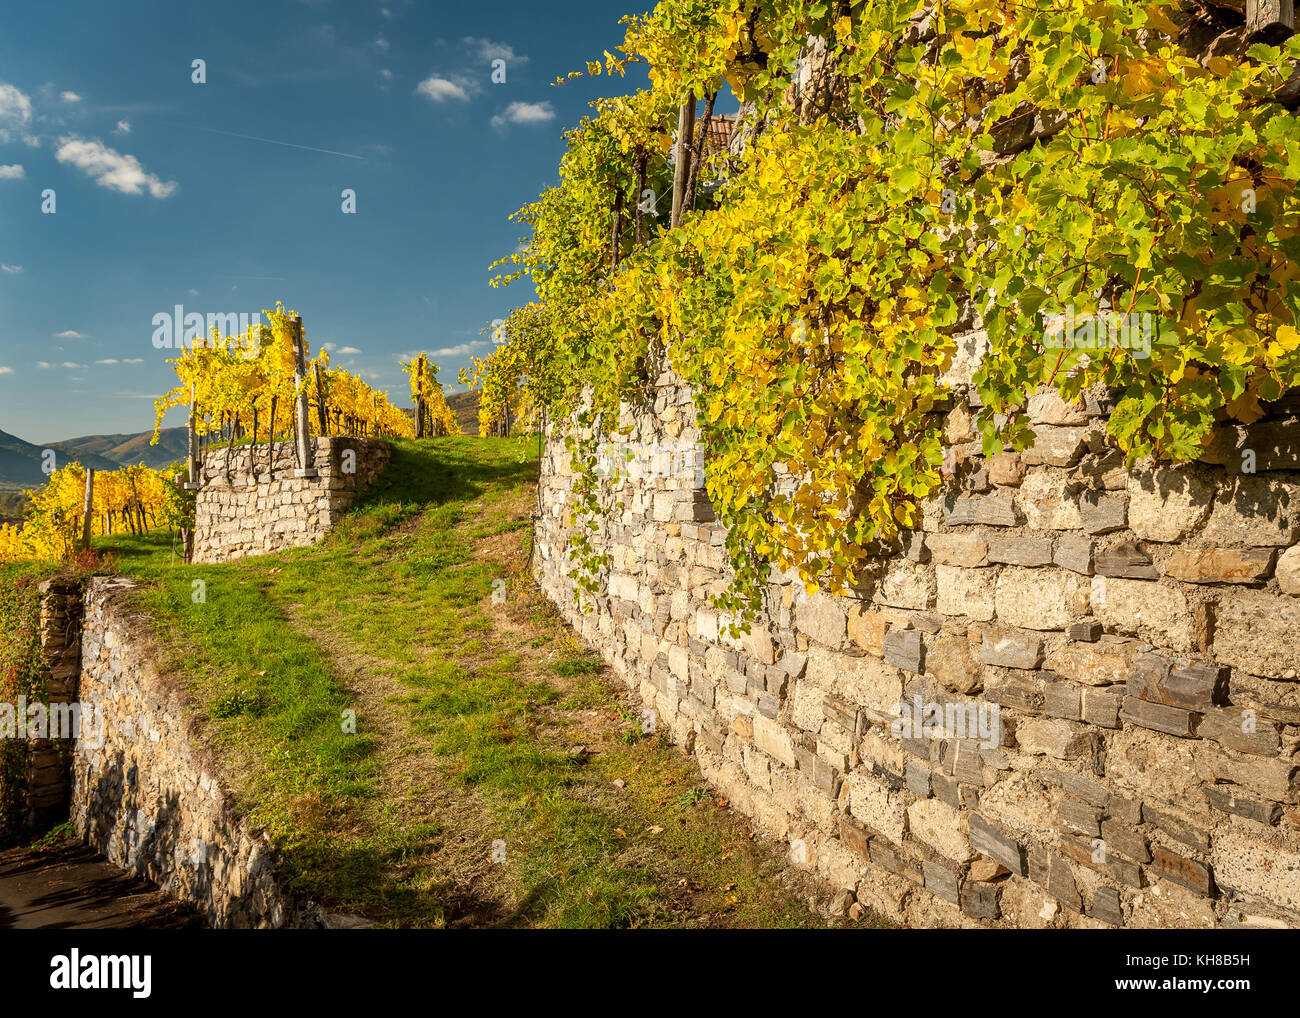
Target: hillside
[
  {"x": 125, "y": 450},
  {"x": 20, "y": 460},
  {"x": 465, "y": 406}
]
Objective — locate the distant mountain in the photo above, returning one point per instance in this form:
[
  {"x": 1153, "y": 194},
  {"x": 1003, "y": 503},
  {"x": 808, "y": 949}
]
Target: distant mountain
[
  {"x": 465, "y": 406},
  {"x": 127, "y": 450},
  {"x": 21, "y": 461}
]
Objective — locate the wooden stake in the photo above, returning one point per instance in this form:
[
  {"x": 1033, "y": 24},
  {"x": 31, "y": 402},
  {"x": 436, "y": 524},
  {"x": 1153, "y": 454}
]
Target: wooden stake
[
  {"x": 618, "y": 226},
  {"x": 698, "y": 157},
  {"x": 270, "y": 430},
  {"x": 1270, "y": 21},
  {"x": 193, "y": 446},
  {"x": 320, "y": 400},
  {"x": 419, "y": 397},
  {"x": 639, "y": 213},
  {"x": 681, "y": 167},
  {"x": 301, "y": 420},
  {"x": 86, "y": 507}
]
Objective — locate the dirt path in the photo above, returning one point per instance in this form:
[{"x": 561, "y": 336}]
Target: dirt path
[{"x": 72, "y": 887}]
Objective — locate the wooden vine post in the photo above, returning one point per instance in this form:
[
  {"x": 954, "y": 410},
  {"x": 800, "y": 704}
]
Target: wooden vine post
[
  {"x": 1270, "y": 21},
  {"x": 639, "y": 214},
  {"x": 697, "y": 155},
  {"x": 618, "y": 226},
  {"x": 320, "y": 400},
  {"x": 681, "y": 164},
  {"x": 192, "y": 484},
  {"x": 419, "y": 397},
  {"x": 306, "y": 449},
  {"x": 87, "y": 508}
]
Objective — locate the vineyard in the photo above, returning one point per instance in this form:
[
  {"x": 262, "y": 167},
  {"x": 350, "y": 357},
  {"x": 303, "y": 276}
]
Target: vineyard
[
  {"x": 240, "y": 389},
  {"x": 244, "y": 387},
  {"x": 915, "y": 173},
  {"x": 131, "y": 500}
]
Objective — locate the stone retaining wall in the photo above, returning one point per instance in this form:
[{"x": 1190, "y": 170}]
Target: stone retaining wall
[
  {"x": 147, "y": 793},
  {"x": 1136, "y": 631},
  {"x": 46, "y": 781},
  {"x": 251, "y": 502}
]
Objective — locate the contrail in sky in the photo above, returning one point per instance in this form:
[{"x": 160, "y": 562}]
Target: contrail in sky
[{"x": 272, "y": 141}]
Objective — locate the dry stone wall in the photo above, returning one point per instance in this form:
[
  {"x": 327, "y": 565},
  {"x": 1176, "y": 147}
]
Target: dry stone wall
[
  {"x": 1112, "y": 655},
  {"x": 252, "y": 500},
  {"x": 46, "y": 780},
  {"x": 146, "y": 792}
]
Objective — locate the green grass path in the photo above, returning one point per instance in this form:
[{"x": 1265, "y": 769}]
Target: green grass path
[{"x": 462, "y": 798}]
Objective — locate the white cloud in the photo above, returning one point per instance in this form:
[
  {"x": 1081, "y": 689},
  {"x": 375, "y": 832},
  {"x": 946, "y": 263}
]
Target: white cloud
[
  {"x": 107, "y": 360},
  {"x": 524, "y": 113},
  {"x": 44, "y": 365},
  {"x": 487, "y": 50},
  {"x": 5, "y": 370},
  {"x": 14, "y": 171},
  {"x": 388, "y": 15},
  {"x": 69, "y": 334},
  {"x": 463, "y": 350},
  {"x": 440, "y": 90},
  {"x": 73, "y": 365},
  {"x": 134, "y": 360},
  {"x": 193, "y": 292},
  {"x": 70, "y": 97},
  {"x": 349, "y": 349},
  {"x": 328, "y": 346},
  {"x": 386, "y": 74},
  {"x": 381, "y": 43},
  {"x": 123, "y": 127},
  {"x": 12, "y": 270},
  {"x": 15, "y": 111},
  {"x": 110, "y": 168}
]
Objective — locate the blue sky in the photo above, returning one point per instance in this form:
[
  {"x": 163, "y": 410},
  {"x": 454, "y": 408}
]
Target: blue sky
[{"x": 158, "y": 203}]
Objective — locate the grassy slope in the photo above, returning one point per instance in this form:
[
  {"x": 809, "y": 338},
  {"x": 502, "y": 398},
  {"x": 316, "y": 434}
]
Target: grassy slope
[{"x": 469, "y": 718}]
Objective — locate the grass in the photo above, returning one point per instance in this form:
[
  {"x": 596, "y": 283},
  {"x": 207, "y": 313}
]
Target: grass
[{"x": 494, "y": 777}]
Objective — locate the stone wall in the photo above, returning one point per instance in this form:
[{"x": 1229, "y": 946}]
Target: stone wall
[
  {"x": 34, "y": 768},
  {"x": 1136, "y": 631},
  {"x": 46, "y": 782},
  {"x": 147, "y": 792},
  {"x": 252, "y": 502}
]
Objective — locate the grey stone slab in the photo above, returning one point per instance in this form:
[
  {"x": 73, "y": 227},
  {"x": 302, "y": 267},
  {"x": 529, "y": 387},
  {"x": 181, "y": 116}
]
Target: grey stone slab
[{"x": 999, "y": 847}]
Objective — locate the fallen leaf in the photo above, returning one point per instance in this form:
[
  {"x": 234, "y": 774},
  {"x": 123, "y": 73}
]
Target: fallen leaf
[
  {"x": 655, "y": 829},
  {"x": 619, "y": 832}
]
